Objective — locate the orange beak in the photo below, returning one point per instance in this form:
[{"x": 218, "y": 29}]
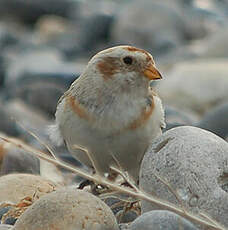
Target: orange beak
[{"x": 152, "y": 73}]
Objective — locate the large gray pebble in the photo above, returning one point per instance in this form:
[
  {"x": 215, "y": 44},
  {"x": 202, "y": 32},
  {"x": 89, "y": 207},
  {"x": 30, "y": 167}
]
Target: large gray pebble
[
  {"x": 68, "y": 209},
  {"x": 196, "y": 85},
  {"x": 193, "y": 162},
  {"x": 161, "y": 220}
]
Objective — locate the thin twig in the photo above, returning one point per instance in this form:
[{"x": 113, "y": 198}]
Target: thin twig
[
  {"x": 124, "y": 177},
  {"x": 171, "y": 190},
  {"x": 102, "y": 180},
  {"x": 75, "y": 147},
  {"x": 38, "y": 139}
]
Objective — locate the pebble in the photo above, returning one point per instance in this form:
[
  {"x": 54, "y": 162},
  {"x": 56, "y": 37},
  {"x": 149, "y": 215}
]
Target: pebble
[
  {"x": 216, "y": 120},
  {"x": 67, "y": 209},
  {"x": 15, "y": 160},
  {"x": 196, "y": 85},
  {"x": 5, "y": 227},
  {"x": 161, "y": 220},
  {"x": 175, "y": 117},
  {"x": 95, "y": 30},
  {"x": 39, "y": 78},
  {"x": 216, "y": 45},
  {"x": 193, "y": 162},
  {"x": 149, "y": 32},
  {"x": 4, "y": 210},
  {"x": 29, "y": 118},
  {"x": 14, "y": 187},
  {"x": 126, "y": 217},
  {"x": 17, "y": 12},
  {"x": 7, "y": 124}
]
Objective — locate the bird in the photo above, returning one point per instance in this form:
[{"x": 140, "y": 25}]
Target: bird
[{"x": 110, "y": 114}]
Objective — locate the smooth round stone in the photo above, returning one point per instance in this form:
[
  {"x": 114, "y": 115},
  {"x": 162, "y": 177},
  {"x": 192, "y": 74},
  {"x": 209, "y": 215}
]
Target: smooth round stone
[
  {"x": 15, "y": 160},
  {"x": 7, "y": 124},
  {"x": 126, "y": 217},
  {"x": 196, "y": 85},
  {"x": 95, "y": 30},
  {"x": 161, "y": 220},
  {"x": 14, "y": 187},
  {"x": 5, "y": 227},
  {"x": 216, "y": 45},
  {"x": 149, "y": 32},
  {"x": 193, "y": 162},
  {"x": 175, "y": 117},
  {"x": 216, "y": 121},
  {"x": 40, "y": 85},
  {"x": 16, "y": 9},
  {"x": 67, "y": 209}
]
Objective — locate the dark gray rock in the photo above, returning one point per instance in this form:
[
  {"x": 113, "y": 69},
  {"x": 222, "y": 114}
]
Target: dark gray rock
[
  {"x": 27, "y": 117},
  {"x": 16, "y": 160},
  {"x": 112, "y": 203},
  {"x": 216, "y": 121},
  {"x": 39, "y": 78},
  {"x": 175, "y": 117},
  {"x": 29, "y": 12},
  {"x": 10, "y": 220},
  {"x": 161, "y": 220},
  {"x": 7, "y": 124},
  {"x": 95, "y": 30},
  {"x": 126, "y": 217},
  {"x": 4, "y": 210},
  {"x": 139, "y": 23},
  {"x": 193, "y": 162}
]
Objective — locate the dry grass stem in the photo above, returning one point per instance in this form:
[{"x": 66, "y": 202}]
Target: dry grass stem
[
  {"x": 173, "y": 191},
  {"x": 206, "y": 221}
]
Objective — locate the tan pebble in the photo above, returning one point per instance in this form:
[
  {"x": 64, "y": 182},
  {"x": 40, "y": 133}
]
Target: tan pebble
[
  {"x": 15, "y": 187},
  {"x": 68, "y": 209}
]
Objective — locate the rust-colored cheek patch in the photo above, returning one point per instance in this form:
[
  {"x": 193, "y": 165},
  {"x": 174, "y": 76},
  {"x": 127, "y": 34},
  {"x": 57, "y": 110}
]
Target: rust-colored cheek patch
[
  {"x": 143, "y": 118},
  {"x": 77, "y": 108},
  {"x": 108, "y": 67}
]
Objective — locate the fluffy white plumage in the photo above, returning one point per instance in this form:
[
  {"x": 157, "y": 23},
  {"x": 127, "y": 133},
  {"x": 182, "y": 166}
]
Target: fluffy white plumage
[{"x": 111, "y": 111}]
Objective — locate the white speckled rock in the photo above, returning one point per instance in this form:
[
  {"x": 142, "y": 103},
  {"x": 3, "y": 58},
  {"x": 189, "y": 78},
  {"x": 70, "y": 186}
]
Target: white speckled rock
[
  {"x": 67, "y": 209},
  {"x": 5, "y": 227},
  {"x": 196, "y": 85},
  {"x": 161, "y": 220},
  {"x": 14, "y": 187},
  {"x": 195, "y": 164}
]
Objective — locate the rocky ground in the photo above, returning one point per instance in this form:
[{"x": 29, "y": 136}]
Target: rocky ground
[{"x": 45, "y": 45}]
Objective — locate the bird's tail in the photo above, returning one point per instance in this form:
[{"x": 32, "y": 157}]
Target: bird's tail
[{"x": 55, "y": 134}]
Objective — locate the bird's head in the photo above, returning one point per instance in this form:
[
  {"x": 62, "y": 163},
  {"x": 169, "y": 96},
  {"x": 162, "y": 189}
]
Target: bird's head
[{"x": 123, "y": 67}]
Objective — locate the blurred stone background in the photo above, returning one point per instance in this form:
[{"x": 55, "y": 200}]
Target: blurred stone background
[{"x": 45, "y": 44}]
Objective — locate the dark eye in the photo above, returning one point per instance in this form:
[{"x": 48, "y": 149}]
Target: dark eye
[{"x": 128, "y": 60}]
